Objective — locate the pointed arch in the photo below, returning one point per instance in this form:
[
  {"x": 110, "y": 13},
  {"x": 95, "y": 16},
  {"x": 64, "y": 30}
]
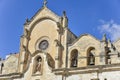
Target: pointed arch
[{"x": 39, "y": 20}]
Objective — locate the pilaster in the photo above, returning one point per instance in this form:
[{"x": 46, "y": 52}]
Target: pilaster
[{"x": 24, "y": 49}]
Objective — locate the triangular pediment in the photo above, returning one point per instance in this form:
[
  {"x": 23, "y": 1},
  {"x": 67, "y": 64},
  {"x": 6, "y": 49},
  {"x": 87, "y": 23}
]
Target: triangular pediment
[
  {"x": 86, "y": 37},
  {"x": 85, "y": 41},
  {"x": 43, "y": 13}
]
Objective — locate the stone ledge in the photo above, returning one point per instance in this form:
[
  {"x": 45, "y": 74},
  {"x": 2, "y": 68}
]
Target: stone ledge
[
  {"x": 88, "y": 69},
  {"x": 10, "y": 76}
]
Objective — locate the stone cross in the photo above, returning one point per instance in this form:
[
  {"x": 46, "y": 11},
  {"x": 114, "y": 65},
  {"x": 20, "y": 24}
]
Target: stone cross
[{"x": 45, "y": 2}]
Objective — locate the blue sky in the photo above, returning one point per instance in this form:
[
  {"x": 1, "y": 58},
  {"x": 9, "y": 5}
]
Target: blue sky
[{"x": 95, "y": 17}]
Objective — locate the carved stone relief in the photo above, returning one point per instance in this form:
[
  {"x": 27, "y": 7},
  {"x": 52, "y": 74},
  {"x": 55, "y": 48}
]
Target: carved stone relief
[{"x": 38, "y": 65}]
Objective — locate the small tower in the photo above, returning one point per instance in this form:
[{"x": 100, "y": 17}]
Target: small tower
[
  {"x": 104, "y": 42},
  {"x": 104, "y": 39},
  {"x": 104, "y": 46}
]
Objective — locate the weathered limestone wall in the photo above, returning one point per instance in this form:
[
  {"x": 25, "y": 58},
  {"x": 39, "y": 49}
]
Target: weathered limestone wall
[
  {"x": 82, "y": 45},
  {"x": 46, "y": 73},
  {"x": 10, "y": 65},
  {"x": 42, "y": 30},
  {"x": 94, "y": 76}
]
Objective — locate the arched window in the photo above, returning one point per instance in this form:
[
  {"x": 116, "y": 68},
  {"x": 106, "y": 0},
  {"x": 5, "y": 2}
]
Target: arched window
[
  {"x": 90, "y": 56},
  {"x": 74, "y": 58}
]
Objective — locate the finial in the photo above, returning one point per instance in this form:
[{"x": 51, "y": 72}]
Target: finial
[
  {"x": 64, "y": 13},
  {"x": 27, "y": 20},
  {"x": 44, "y": 3},
  {"x": 104, "y": 38},
  {"x": 111, "y": 45},
  {"x": 65, "y": 20},
  {"x": 109, "y": 41}
]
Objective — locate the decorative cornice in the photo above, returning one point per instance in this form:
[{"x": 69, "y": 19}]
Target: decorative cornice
[
  {"x": 88, "y": 69},
  {"x": 11, "y": 76}
]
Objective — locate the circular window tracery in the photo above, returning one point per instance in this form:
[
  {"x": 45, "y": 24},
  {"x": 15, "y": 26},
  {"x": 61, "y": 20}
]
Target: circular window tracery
[{"x": 43, "y": 45}]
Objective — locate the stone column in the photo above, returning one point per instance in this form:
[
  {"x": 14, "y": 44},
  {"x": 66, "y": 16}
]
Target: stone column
[
  {"x": 24, "y": 49},
  {"x": 21, "y": 56},
  {"x": 57, "y": 57},
  {"x": 65, "y": 42},
  {"x": 66, "y": 46},
  {"x": 104, "y": 45}
]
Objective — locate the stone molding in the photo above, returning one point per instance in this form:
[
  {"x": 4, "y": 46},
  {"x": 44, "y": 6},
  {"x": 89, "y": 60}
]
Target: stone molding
[
  {"x": 88, "y": 69},
  {"x": 11, "y": 76}
]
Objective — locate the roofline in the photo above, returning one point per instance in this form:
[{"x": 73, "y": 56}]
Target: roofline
[
  {"x": 116, "y": 41},
  {"x": 86, "y": 34},
  {"x": 39, "y": 10},
  {"x": 72, "y": 32}
]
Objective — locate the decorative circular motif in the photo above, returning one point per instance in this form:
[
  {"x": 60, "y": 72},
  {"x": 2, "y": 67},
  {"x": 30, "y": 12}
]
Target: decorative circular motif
[{"x": 43, "y": 45}]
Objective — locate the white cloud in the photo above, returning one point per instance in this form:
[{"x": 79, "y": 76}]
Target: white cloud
[{"x": 111, "y": 28}]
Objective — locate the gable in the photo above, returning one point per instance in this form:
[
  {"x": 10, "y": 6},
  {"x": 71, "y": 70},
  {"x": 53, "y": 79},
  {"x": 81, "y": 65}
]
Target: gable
[
  {"x": 84, "y": 42},
  {"x": 43, "y": 13},
  {"x": 117, "y": 44},
  {"x": 44, "y": 24}
]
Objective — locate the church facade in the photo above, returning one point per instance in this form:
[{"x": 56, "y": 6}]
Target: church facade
[{"x": 50, "y": 51}]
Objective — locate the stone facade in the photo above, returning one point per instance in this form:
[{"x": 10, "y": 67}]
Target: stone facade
[{"x": 50, "y": 51}]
